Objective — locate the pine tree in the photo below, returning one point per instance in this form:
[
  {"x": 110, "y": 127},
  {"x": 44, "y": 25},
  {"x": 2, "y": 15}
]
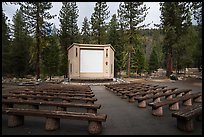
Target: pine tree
[
  {"x": 197, "y": 13},
  {"x": 132, "y": 14},
  {"x": 114, "y": 40},
  {"x": 98, "y": 18},
  {"x": 153, "y": 61},
  {"x": 50, "y": 55},
  {"x": 20, "y": 46},
  {"x": 175, "y": 20},
  {"x": 85, "y": 32},
  {"x": 68, "y": 31},
  {"x": 35, "y": 15},
  {"x": 138, "y": 61},
  {"x": 5, "y": 45}
]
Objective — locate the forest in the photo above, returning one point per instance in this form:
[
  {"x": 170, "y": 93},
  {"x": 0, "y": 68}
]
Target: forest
[{"x": 34, "y": 46}]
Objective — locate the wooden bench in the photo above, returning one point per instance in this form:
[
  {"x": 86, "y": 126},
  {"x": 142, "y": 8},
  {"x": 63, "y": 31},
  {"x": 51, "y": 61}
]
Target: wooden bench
[
  {"x": 61, "y": 90},
  {"x": 186, "y": 116},
  {"x": 123, "y": 86},
  {"x": 30, "y": 92},
  {"x": 125, "y": 94},
  {"x": 45, "y": 97},
  {"x": 154, "y": 92},
  {"x": 133, "y": 94},
  {"x": 9, "y": 103},
  {"x": 173, "y": 103},
  {"x": 16, "y": 118},
  {"x": 156, "y": 97}
]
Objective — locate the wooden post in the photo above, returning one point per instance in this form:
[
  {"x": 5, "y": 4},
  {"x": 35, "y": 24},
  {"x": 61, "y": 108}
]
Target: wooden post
[
  {"x": 91, "y": 110},
  {"x": 95, "y": 127},
  {"x": 132, "y": 99},
  {"x": 157, "y": 111},
  {"x": 185, "y": 125},
  {"x": 142, "y": 104},
  {"x": 52, "y": 123},
  {"x": 198, "y": 99},
  {"x": 187, "y": 102},
  {"x": 174, "y": 106},
  {"x": 15, "y": 120}
]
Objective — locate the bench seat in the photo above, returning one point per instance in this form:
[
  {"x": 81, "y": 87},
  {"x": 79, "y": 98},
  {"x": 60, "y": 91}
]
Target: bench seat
[
  {"x": 45, "y": 97},
  {"x": 185, "y": 117},
  {"x": 90, "y": 107},
  {"x": 51, "y": 93}
]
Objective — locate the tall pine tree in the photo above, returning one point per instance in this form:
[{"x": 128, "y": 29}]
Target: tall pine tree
[
  {"x": 36, "y": 14},
  {"x": 132, "y": 14},
  {"x": 68, "y": 31},
  {"x": 20, "y": 46},
  {"x": 85, "y": 31},
  {"x": 5, "y": 45},
  {"x": 98, "y": 23},
  {"x": 153, "y": 61},
  {"x": 175, "y": 20},
  {"x": 114, "y": 40},
  {"x": 50, "y": 55}
]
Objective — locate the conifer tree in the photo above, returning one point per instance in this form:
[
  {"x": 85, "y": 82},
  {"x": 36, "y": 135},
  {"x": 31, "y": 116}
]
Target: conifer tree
[
  {"x": 132, "y": 14},
  {"x": 35, "y": 14},
  {"x": 114, "y": 39},
  {"x": 50, "y": 55},
  {"x": 5, "y": 45},
  {"x": 85, "y": 32},
  {"x": 68, "y": 31},
  {"x": 175, "y": 20},
  {"x": 98, "y": 24},
  {"x": 20, "y": 46},
  {"x": 153, "y": 61}
]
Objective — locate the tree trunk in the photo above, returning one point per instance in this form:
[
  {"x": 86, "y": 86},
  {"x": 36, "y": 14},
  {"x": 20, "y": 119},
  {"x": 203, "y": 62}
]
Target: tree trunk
[
  {"x": 169, "y": 65},
  {"x": 129, "y": 58},
  {"x": 38, "y": 46}
]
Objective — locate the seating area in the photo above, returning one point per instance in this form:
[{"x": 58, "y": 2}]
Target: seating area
[
  {"x": 158, "y": 97},
  {"x": 54, "y": 102}
]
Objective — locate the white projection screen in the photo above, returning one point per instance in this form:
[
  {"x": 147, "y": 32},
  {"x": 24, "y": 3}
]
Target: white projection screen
[{"x": 91, "y": 61}]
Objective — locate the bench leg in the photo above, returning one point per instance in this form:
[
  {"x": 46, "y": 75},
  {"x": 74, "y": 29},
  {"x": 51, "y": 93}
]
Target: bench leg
[
  {"x": 158, "y": 111},
  {"x": 52, "y": 124},
  {"x": 119, "y": 94},
  {"x": 187, "y": 102},
  {"x": 142, "y": 104},
  {"x": 169, "y": 97},
  {"x": 124, "y": 96},
  {"x": 7, "y": 105},
  {"x": 174, "y": 106},
  {"x": 198, "y": 99},
  {"x": 95, "y": 127},
  {"x": 132, "y": 100},
  {"x": 89, "y": 102},
  {"x": 89, "y": 110},
  {"x": 61, "y": 108},
  {"x": 15, "y": 120},
  {"x": 156, "y": 99},
  {"x": 185, "y": 125},
  {"x": 179, "y": 95},
  {"x": 34, "y": 106},
  {"x": 199, "y": 118}
]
